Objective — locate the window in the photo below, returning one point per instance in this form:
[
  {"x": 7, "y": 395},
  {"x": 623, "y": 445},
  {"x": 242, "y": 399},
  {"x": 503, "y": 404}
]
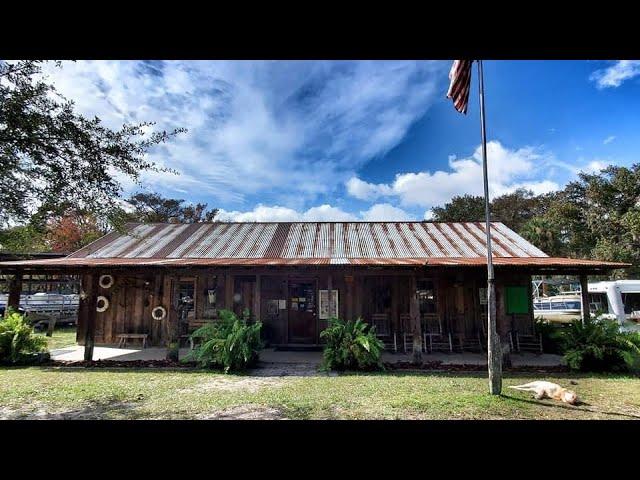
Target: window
[
  {"x": 427, "y": 297},
  {"x": 598, "y": 302},
  {"x": 631, "y": 302},
  {"x": 185, "y": 297}
]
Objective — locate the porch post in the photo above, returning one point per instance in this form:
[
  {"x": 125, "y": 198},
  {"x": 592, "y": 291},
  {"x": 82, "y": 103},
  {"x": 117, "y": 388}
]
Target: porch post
[
  {"x": 15, "y": 289},
  {"x": 256, "y": 300},
  {"x": 228, "y": 291},
  {"x": 584, "y": 292},
  {"x": 329, "y": 294},
  {"x": 88, "y": 312},
  {"x": 349, "y": 281},
  {"x": 416, "y": 327}
]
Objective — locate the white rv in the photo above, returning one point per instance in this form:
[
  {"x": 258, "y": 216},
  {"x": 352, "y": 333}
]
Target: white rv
[{"x": 619, "y": 299}]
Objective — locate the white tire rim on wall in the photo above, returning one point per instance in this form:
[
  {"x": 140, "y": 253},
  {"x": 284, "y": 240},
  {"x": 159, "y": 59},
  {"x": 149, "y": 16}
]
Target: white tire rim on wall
[
  {"x": 158, "y": 313},
  {"x": 105, "y": 304},
  {"x": 106, "y": 281}
]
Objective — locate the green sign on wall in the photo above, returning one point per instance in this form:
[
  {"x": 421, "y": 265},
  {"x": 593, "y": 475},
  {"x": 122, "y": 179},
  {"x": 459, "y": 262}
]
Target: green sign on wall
[{"x": 517, "y": 300}]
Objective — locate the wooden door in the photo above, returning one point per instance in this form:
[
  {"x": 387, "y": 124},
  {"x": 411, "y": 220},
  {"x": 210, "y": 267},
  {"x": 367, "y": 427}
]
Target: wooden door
[{"x": 302, "y": 311}]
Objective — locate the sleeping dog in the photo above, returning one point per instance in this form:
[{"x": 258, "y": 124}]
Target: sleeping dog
[{"x": 549, "y": 390}]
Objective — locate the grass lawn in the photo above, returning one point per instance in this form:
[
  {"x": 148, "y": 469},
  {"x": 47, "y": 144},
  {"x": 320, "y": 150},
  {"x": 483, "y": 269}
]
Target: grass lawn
[
  {"x": 44, "y": 392},
  {"x": 62, "y": 337}
]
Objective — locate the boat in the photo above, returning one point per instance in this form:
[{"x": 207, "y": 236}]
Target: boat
[
  {"x": 46, "y": 303},
  {"x": 567, "y": 305}
]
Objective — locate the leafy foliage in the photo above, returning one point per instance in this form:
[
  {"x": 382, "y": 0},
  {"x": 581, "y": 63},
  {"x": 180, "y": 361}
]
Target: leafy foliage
[
  {"x": 152, "y": 207},
  {"x": 18, "y": 340},
  {"x": 52, "y": 158},
  {"x": 599, "y": 345},
  {"x": 596, "y": 216},
  {"x": 230, "y": 343},
  {"x": 72, "y": 231},
  {"x": 351, "y": 346}
]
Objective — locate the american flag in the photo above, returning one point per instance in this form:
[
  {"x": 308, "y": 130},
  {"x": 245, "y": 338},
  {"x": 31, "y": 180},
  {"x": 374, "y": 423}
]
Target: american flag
[{"x": 460, "y": 76}]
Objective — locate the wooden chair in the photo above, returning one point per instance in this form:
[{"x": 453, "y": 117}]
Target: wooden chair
[
  {"x": 383, "y": 331},
  {"x": 528, "y": 343},
  {"x": 436, "y": 338}
]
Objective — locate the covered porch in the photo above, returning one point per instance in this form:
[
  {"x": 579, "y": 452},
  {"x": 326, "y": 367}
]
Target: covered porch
[
  {"x": 270, "y": 357},
  {"x": 418, "y": 307}
]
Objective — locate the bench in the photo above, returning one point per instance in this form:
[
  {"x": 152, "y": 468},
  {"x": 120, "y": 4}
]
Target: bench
[{"x": 123, "y": 337}]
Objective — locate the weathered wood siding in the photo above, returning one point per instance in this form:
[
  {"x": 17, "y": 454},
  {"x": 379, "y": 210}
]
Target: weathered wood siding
[{"x": 133, "y": 297}]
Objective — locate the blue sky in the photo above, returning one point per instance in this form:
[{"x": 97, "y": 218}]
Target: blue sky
[{"x": 372, "y": 140}]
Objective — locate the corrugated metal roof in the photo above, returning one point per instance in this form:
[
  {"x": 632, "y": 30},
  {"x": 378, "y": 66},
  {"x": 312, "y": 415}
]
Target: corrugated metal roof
[
  {"x": 314, "y": 243},
  {"x": 306, "y": 240},
  {"x": 442, "y": 261}
]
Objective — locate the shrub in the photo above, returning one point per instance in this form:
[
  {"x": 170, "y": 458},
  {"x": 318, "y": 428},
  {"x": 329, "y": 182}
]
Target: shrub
[
  {"x": 599, "y": 345},
  {"x": 230, "y": 343},
  {"x": 18, "y": 342},
  {"x": 351, "y": 346}
]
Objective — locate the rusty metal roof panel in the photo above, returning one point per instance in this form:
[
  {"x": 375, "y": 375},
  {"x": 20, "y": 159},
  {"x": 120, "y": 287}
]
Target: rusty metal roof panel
[
  {"x": 70, "y": 262},
  {"x": 338, "y": 243}
]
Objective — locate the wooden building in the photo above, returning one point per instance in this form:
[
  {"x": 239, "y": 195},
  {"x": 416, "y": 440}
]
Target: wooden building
[{"x": 422, "y": 284}]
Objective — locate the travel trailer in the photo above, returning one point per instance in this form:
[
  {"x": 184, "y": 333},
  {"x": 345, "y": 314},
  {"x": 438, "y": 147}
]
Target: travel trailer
[{"x": 619, "y": 299}]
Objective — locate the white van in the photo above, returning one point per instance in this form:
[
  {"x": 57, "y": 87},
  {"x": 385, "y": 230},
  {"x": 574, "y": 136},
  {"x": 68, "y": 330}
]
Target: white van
[{"x": 619, "y": 299}]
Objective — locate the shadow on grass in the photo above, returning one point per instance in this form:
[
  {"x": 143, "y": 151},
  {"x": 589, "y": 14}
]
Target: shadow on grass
[{"x": 563, "y": 406}]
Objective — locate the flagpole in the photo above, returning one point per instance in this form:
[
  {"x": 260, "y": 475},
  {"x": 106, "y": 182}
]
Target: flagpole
[{"x": 494, "y": 357}]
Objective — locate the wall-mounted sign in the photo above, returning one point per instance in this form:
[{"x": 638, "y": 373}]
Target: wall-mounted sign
[
  {"x": 324, "y": 304},
  {"x": 282, "y": 304},
  {"x": 483, "y": 296}
]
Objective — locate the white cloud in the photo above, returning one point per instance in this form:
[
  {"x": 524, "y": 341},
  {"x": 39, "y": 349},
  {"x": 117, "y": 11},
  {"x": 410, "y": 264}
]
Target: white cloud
[
  {"x": 609, "y": 139},
  {"x": 292, "y": 130},
  {"x": 384, "y": 212},
  {"x": 595, "y": 166},
  {"x": 366, "y": 191},
  {"x": 322, "y": 213},
  {"x": 508, "y": 170},
  {"x": 616, "y": 74}
]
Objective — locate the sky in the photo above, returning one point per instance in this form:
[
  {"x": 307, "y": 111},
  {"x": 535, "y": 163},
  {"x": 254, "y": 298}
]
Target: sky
[{"x": 360, "y": 140}]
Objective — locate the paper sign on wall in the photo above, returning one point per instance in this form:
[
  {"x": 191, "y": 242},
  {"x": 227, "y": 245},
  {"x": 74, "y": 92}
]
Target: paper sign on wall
[{"x": 324, "y": 304}]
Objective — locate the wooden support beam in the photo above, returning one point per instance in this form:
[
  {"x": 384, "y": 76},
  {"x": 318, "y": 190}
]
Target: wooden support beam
[
  {"x": 88, "y": 313},
  {"x": 330, "y": 294},
  {"x": 416, "y": 326},
  {"x": 584, "y": 293},
  {"x": 15, "y": 289},
  {"x": 228, "y": 291},
  {"x": 349, "y": 282},
  {"x": 256, "y": 299}
]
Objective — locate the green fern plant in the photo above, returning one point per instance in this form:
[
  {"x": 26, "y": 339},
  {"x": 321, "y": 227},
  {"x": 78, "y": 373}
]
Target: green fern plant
[
  {"x": 599, "y": 345},
  {"x": 231, "y": 343},
  {"x": 351, "y": 345},
  {"x": 18, "y": 340}
]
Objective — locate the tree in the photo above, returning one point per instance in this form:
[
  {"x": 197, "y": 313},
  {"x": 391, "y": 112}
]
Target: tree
[
  {"x": 72, "y": 231},
  {"x": 153, "y": 207},
  {"x": 23, "y": 239},
  {"x": 543, "y": 234},
  {"x": 465, "y": 208},
  {"x": 513, "y": 209},
  {"x": 516, "y": 208},
  {"x": 51, "y": 157}
]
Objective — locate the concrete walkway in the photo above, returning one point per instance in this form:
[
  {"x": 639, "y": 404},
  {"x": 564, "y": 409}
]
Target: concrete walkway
[{"x": 270, "y": 356}]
